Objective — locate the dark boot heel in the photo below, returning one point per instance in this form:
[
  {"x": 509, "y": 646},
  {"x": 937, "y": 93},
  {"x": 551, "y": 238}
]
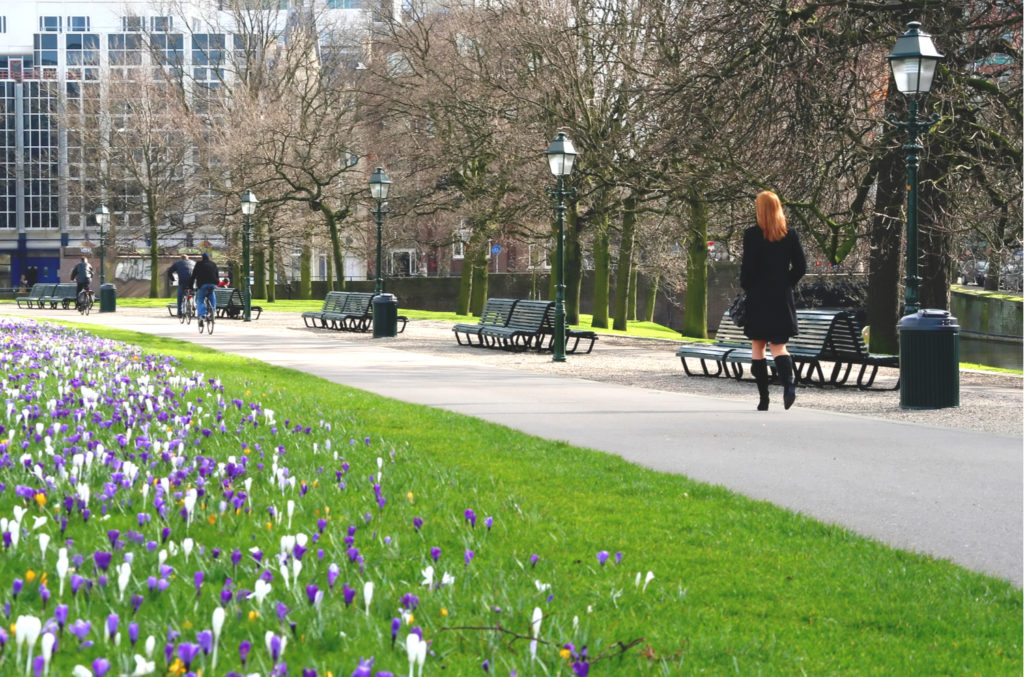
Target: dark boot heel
[{"x": 784, "y": 365}]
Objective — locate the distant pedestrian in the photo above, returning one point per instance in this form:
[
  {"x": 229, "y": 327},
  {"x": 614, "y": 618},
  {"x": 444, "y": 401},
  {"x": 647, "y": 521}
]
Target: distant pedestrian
[
  {"x": 773, "y": 262},
  {"x": 82, "y": 274},
  {"x": 180, "y": 273},
  {"x": 23, "y": 283}
]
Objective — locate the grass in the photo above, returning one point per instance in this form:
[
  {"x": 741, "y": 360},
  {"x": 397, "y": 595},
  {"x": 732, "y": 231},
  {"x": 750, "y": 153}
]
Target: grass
[{"x": 740, "y": 586}]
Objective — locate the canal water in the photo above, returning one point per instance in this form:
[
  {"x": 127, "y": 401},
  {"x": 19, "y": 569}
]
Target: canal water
[{"x": 1003, "y": 354}]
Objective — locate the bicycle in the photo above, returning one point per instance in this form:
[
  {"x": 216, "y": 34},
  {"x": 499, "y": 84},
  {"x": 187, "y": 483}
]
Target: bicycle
[
  {"x": 207, "y": 319},
  {"x": 188, "y": 307},
  {"x": 84, "y": 301}
]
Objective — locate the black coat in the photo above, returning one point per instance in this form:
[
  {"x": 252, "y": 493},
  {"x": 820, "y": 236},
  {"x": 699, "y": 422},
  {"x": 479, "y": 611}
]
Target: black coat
[
  {"x": 205, "y": 272},
  {"x": 768, "y": 274}
]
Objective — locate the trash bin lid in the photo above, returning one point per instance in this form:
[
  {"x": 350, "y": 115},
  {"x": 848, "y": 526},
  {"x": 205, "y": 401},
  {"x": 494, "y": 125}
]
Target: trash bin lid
[
  {"x": 929, "y": 319},
  {"x": 384, "y": 297}
]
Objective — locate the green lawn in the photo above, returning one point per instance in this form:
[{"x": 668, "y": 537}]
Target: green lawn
[{"x": 739, "y": 586}]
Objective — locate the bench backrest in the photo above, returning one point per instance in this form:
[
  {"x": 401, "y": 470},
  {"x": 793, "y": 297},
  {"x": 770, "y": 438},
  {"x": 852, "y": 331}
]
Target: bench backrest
[
  {"x": 222, "y": 296},
  {"x": 497, "y": 311},
  {"x": 64, "y": 290},
  {"x": 846, "y": 341},
  {"x": 41, "y": 289},
  {"x": 729, "y": 334},
  {"x": 358, "y": 303},
  {"x": 815, "y": 327},
  {"x": 334, "y": 301},
  {"x": 529, "y": 315}
]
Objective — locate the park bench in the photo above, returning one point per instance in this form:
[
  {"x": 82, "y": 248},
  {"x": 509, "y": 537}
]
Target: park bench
[
  {"x": 495, "y": 314},
  {"x": 38, "y": 291},
  {"x": 231, "y": 305},
  {"x": 62, "y": 295},
  {"x": 346, "y": 311},
  {"x": 728, "y": 338},
  {"x": 848, "y": 347},
  {"x": 333, "y": 303},
  {"x": 808, "y": 348},
  {"x": 572, "y": 336},
  {"x": 524, "y": 329}
]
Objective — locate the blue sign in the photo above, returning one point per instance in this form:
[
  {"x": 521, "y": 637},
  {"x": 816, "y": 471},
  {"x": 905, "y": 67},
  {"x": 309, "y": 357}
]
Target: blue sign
[{"x": 496, "y": 249}]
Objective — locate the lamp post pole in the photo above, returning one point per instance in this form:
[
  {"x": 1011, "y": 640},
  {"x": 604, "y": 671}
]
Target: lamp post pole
[
  {"x": 380, "y": 186},
  {"x": 249, "y": 202},
  {"x": 561, "y": 155},
  {"x": 102, "y": 218},
  {"x": 913, "y": 61}
]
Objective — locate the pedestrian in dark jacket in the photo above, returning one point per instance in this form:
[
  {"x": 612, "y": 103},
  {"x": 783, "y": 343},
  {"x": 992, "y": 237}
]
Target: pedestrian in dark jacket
[
  {"x": 204, "y": 279},
  {"x": 773, "y": 262},
  {"x": 181, "y": 272}
]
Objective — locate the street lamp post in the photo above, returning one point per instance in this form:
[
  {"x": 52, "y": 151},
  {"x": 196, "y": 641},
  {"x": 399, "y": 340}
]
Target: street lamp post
[
  {"x": 249, "y": 203},
  {"x": 380, "y": 185},
  {"x": 913, "y": 62},
  {"x": 102, "y": 215},
  {"x": 561, "y": 156}
]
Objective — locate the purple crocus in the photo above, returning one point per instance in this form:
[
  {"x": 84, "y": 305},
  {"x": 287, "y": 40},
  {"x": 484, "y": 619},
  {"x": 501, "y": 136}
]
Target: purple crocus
[
  {"x": 396, "y": 624},
  {"x": 409, "y": 601},
  {"x": 102, "y": 559},
  {"x": 16, "y": 587},
  {"x": 205, "y": 640},
  {"x": 533, "y": 559},
  {"x": 133, "y": 633},
  {"x": 137, "y": 601},
  {"x": 469, "y": 556},
  {"x": 470, "y": 517},
  {"x": 332, "y": 575},
  {"x": 80, "y": 629},
  {"x": 488, "y": 522},
  {"x": 364, "y": 667},
  {"x": 348, "y": 593},
  {"x": 100, "y": 667},
  {"x": 417, "y": 523},
  {"x": 602, "y": 557},
  {"x": 274, "y": 647},
  {"x": 435, "y": 553},
  {"x": 311, "y": 593},
  {"x": 60, "y": 614},
  {"x": 112, "y": 622},
  {"x": 243, "y": 651},
  {"x": 198, "y": 580},
  {"x": 187, "y": 652}
]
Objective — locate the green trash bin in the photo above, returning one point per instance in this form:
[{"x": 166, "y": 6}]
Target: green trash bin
[
  {"x": 929, "y": 360},
  {"x": 108, "y": 298},
  {"x": 385, "y": 315}
]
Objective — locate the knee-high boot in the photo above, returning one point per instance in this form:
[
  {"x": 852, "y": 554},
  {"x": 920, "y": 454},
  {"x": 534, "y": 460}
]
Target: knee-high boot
[
  {"x": 784, "y": 365},
  {"x": 759, "y": 368}
]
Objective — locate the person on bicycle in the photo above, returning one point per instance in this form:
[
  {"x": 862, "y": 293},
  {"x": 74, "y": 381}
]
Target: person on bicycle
[
  {"x": 204, "y": 279},
  {"x": 82, "y": 274},
  {"x": 182, "y": 271}
]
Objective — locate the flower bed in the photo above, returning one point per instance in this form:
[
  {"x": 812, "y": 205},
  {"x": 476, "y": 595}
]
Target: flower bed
[{"x": 153, "y": 523}]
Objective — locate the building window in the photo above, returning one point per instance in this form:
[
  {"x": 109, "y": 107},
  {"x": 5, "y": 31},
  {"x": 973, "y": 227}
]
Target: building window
[
  {"x": 459, "y": 245},
  {"x": 3, "y": 24},
  {"x": 344, "y": 4},
  {"x": 45, "y": 49},
  {"x": 161, "y": 24},
  {"x": 50, "y": 24},
  {"x": 540, "y": 257},
  {"x": 78, "y": 24},
  {"x": 132, "y": 24}
]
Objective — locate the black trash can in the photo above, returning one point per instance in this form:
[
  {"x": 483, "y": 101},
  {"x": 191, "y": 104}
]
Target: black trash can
[
  {"x": 385, "y": 315},
  {"x": 929, "y": 360},
  {"x": 108, "y": 298}
]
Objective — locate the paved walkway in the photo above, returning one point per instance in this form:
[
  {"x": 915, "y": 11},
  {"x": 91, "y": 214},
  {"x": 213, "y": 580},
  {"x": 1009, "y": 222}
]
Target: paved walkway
[{"x": 952, "y": 494}]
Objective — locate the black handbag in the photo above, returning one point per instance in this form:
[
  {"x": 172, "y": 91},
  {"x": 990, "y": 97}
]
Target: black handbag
[{"x": 738, "y": 310}]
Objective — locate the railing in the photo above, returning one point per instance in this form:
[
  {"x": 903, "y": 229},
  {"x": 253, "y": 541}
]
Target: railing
[{"x": 48, "y": 73}]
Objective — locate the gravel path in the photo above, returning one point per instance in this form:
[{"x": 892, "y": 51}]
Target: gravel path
[{"x": 989, "y": 402}]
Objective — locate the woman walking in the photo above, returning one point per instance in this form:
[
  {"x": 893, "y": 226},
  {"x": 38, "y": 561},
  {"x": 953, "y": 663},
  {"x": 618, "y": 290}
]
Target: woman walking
[{"x": 773, "y": 262}]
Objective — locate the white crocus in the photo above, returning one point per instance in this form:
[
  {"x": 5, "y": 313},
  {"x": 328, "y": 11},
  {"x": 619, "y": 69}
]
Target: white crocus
[
  {"x": 143, "y": 666},
  {"x": 26, "y": 631},
  {"x": 81, "y": 671},
  {"x": 650, "y": 577},
  {"x": 368, "y": 594},
  {"x": 412, "y": 644},
  {"x": 290, "y": 507},
  {"x": 538, "y": 616},
  {"x": 428, "y": 576},
  {"x": 62, "y": 568},
  {"x": 44, "y": 543},
  {"x": 46, "y": 645},
  {"x": 124, "y": 576},
  {"x": 150, "y": 645},
  {"x": 217, "y": 623},
  {"x": 260, "y": 590},
  {"x": 187, "y": 545}
]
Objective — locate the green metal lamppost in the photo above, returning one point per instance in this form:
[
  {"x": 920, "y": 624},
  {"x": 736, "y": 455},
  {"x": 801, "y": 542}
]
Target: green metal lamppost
[
  {"x": 380, "y": 185},
  {"x": 561, "y": 156},
  {"x": 249, "y": 203},
  {"x": 102, "y": 215},
  {"x": 913, "y": 62}
]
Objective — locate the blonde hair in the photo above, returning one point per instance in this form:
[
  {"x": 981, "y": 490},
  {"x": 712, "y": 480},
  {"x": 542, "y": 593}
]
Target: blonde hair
[{"x": 770, "y": 216}]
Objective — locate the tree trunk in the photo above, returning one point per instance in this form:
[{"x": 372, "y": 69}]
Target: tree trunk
[
  {"x": 339, "y": 259},
  {"x": 602, "y": 272},
  {"x": 631, "y": 294},
  {"x": 695, "y": 314},
  {"x": 573, "y": 265},
  {"x": 306, "y": 269},
  {"x": 259, "y": 265},
  {"x": 152, "y": 215},
  {"x": 936, "y": 237},
  {"x": 478, "y": 293},
  {"x": 624, "y": 271},
  {"x": 330, "y": 274},
  {"x": 651, "y": 298},
  {"x": 271, "y": 272},
  {"x": 883, "y": 304}
]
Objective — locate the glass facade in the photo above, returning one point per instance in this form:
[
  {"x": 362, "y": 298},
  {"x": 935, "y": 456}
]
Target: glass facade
[{"x": 28, "y": 127}]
